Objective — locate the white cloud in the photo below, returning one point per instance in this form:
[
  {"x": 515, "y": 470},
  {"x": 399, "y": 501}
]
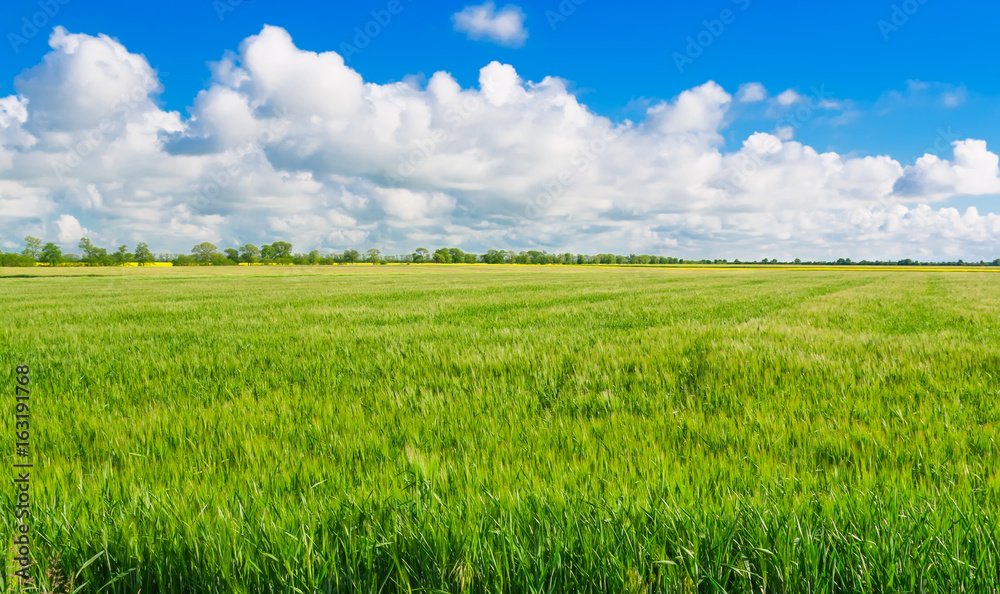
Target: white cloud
[
  {"x": 974, "y": 171},
  {"x": 790, "y": 97},
  {"x": 751, "y": 93},
  {"x": 288, "y": 144},
  {"x": 70, "y": 229},
  {"x": 505, "y": 26}
]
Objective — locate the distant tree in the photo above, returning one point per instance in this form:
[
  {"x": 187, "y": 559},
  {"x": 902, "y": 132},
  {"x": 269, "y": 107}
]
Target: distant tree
[
  {"x": 32, "y": 248},
  {"x": 282, "y": 249},
  {"x": 442, "y": 256},
  {"x": 456, "y": 256},
  {"x": 217, "y": 259},
  {"x": 314, "y": 257},
  {"x": 266, "y": 252},
  {"x": 373, "y": 255},
  {"x": 233, "y": 254},
  {"x": 351, "y": 256},
  {"x": 203, "y": 252},
  {"x": 142, "y": 254},
  {"x": 493, "y": 257},
  {"x": 51, "y": 254},
  {"x": 93, "y": 255},
  {"x": 88, "y": 248},
  {"x": 249, "y": 253},
  {"x": 15, "y": 259},
  {"x": 421, "y": 255},
  {"x": 122, "y": 255}
]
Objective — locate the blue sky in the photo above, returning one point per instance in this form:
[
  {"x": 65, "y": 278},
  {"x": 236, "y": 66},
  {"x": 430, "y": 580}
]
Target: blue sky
[
  {"x": 898, "y": 77},
  {"x": 614, "y": 54}
]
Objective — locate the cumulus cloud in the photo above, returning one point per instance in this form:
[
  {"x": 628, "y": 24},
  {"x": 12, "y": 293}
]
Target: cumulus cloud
[
  {"x": 70, "y": 229},
  {"x": 289, "y": 144},
  {"x": 505, "y": 26},
  {"x": 973, "y": 171}
]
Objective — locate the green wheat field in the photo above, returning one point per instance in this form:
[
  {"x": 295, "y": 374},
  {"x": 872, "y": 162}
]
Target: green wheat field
[{"x": 507, "y": 429}]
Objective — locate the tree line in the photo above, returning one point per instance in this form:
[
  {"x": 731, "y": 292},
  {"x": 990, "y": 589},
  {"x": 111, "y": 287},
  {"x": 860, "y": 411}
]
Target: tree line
[{"x": 280, "y": 252}]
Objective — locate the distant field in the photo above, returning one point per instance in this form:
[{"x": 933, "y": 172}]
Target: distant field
[{"x": 510, "y": 429}]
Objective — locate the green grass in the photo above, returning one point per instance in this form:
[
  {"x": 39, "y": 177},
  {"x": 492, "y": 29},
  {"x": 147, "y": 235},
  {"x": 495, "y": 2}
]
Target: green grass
[{"x": 510, "y": 429}]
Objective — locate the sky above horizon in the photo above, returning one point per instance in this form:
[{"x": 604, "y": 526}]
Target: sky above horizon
[{"x": 722, "y": 129}]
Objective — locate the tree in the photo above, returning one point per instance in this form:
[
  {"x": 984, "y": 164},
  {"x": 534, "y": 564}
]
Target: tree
[
  {"x": 420, "y": 255},
  {"x": 282, "y": 249},
  {"x": 122, "y": 256},
  {"x": 93, "y": 255},
  {"x": 203, "y": 252},
  {"x": 142, "y": 254},
  {"x": 32, "y": 247},
  {"x": 218, "y": 259},
  {"x": 352, "y": 256},
  {"x": 233, "y": 254},
  {"x": 442, "y": 256},
  {"x": 266, "y": 252},
  {"x": 249, "y": 253},
  {"x": 87, "y": 246},
  {"x": 373, "y": 255},
  {"x": 314, "y": 257},
  {"x": 51, "y": 254}
]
